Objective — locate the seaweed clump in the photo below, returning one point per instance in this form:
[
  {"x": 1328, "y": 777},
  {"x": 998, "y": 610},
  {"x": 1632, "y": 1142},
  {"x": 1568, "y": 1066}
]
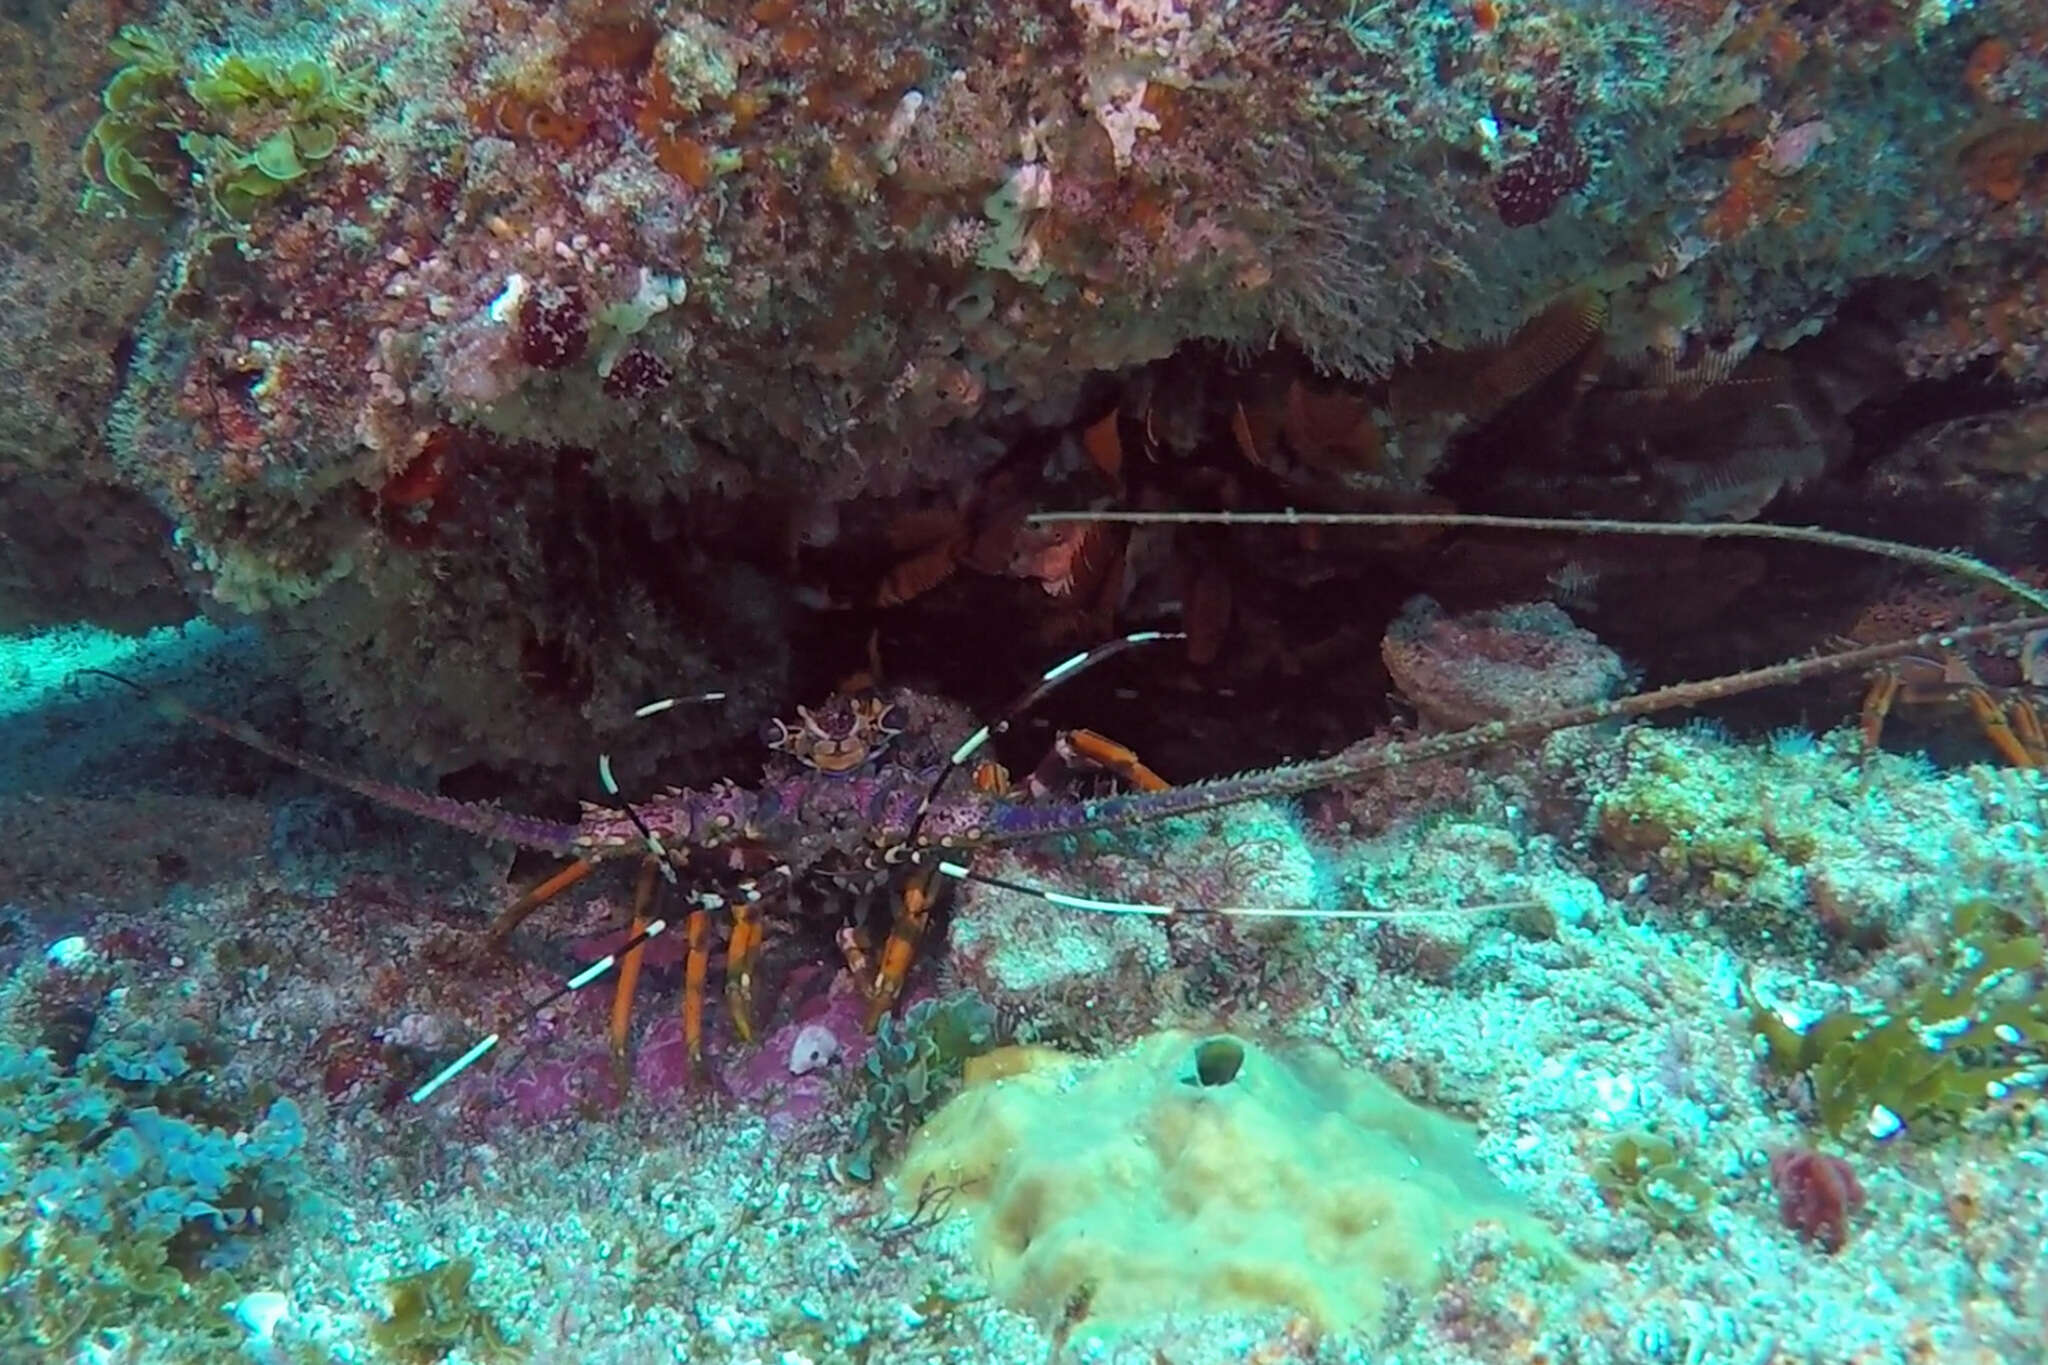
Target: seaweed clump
[
  {"x": 913, "y": 1067},
  {"x": 132, "y": 1184},
  {"x": 246, "y": 128},
  {"x": 1646, "y": 1172},
  {"x": 1710, "y": 817},
  {"x": 1973, "y": 1033},
  {"x": 432, "y": 1313}
]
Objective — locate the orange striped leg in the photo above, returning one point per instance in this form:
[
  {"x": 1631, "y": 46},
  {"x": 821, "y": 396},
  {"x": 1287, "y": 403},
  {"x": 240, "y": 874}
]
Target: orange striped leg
[
  {"x": 1102, "y": 752},
  {"x": 515, "y": 914},
  {"x": 1079, "y": 749},
  {"x": 740, "y": 956},
  {"x": 857, "y": 950},
  {"x": 696, "y": 961},
  {"x": 1877, "y": 704},
  {"x": 913, "y": 912},
  {"x": 1992, "y": 717},
  {"x": 629, "y": 971},
  {"x": 2026, "y": 723}
]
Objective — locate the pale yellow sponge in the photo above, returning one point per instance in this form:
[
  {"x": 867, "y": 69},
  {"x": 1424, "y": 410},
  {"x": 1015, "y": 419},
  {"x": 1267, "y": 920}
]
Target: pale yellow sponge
[{"x": 1195, "y": 1172}]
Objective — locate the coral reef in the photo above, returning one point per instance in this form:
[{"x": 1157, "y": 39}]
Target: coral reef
[
  {"x": 74, "y": 542},
  {"x": 491, "y": 369},
  {"x": 545, "y": 331}
]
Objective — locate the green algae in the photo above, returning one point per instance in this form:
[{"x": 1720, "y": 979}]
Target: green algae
[
  {"x": 914, "y": 1066},
  {"x": 1646, "y": 1172},
  {"x": 1972, "y": 1033},
  {"x": 431, "y": 1314},
  {"x": 241, "y": 128}
]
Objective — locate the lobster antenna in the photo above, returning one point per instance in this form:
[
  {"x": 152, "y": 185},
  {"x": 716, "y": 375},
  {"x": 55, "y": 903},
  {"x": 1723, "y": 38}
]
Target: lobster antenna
[
  {"x": 1163, "y": 910},
  {"x": 1350, "y": 765},
  {"x": 483, "y": 1046},
  {"x": 595, "y": 972},
  {"x": 486, "y": 822},
  {"x": 1049, "y": 680},
  {"x": 657, "y": 849},
  {"x": 1941, "y": 561},
  {"x": 599, "y": 969}
]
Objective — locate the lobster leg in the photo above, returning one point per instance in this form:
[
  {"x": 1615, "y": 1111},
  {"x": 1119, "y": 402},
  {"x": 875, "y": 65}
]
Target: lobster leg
[
  {"x": 515, "y": 914},
  {"x": 696, "y": 963},
  {"x": 906, "y": 929},
  {"x": 1079, "y": 750},
  {"x": 1877, "y": 705},
  {"x": 2026, "y": 723},
  {"x": 1073, "y": 750},
  {"x": 740, "y": 955},
  {"x": 1047, "y": 682},
  {"x": 629, "y": 971},
  {"x": 914, "y": 907},
  {"x": 1991, "y": 716}
]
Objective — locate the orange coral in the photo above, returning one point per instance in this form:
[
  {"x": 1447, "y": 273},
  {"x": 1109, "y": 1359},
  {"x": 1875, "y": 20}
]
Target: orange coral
[
  {"x": 1747, "y": 199},
  {"x": 625, "y": 45},
  {"x": 1987, "y": 61},
  {"x": 1169, "y": 107},
  {"x": 660, "y": 119},
  {"x": 425, "y": 475},
  {"x": 2000, "y": 163},
  {"x": 796, "y": 43},
  {"x": 685, "y": 158},
  {"x": 522, "y": 118},
  {"x": 529, "y": 109}
]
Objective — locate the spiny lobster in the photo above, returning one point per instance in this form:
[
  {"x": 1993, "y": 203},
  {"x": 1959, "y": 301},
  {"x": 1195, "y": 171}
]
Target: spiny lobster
[{"x": 843, "y": 812}]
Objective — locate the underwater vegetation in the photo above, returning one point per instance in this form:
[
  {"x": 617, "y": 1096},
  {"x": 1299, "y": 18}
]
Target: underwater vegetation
[
  {"x": 519, "y": 359},
  {"x": 132, "y": 1183},
  {"x": 244, "y": 128},
  {"x": 1817, "y": 1194},
  {"x": 1705, "y": 825},
  {"x": 947, "y": 1196},
  {"x": 914, "y": 1066},
  {"x": 1646, "y": 1172},
  {"x": 432, "y": 1314},
  {"x": 1967, "y": 1036}
]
